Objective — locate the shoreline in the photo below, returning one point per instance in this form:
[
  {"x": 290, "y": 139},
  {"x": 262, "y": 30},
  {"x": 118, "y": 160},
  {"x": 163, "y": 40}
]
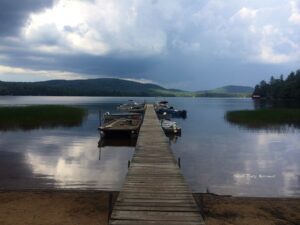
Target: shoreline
[
  {"x": 71, "y": 190},
  {"x": 53, "y": 207}
]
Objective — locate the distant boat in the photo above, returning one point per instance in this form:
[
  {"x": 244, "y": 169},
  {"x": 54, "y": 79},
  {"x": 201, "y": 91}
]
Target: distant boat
[
  {"x": 132, "y": 106},
  {"x": 256, "y": 97},
  {"x": 120, "y": 124}
]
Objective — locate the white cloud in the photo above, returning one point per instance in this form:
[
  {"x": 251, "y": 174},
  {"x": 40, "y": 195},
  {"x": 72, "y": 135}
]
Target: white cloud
[
  {"x": 140, "y": 80},
  {"x": 244, "y": 14},
  {"x": 250, "y": 32},
  {"x": 268, "y": 55},
  {"x": 97, "y": 28},
  {"x": 295, "y": 13},
  {"x": 147, "y": 28},
  {"x": 272, "y": 39},
  {"x": 64, "y": 29},
  {"x": 6, "y": 71}
]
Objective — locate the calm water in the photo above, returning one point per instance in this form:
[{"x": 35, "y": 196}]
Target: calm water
[{"x": 215, "y": 155}]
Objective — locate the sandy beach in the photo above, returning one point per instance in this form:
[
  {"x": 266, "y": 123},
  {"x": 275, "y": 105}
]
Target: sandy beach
[
  {"x": 53, "y": 207},
  {"x": 222, "y": 210},
  {"x": 91, "y": 207}
]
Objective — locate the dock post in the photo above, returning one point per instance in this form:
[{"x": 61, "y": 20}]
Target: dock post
[
  {"x": 110, "y": 198},
  {"x": 179, "y": 162},
  {"x": 100, "y": 153},
  {"x": 128, "y": 164}
]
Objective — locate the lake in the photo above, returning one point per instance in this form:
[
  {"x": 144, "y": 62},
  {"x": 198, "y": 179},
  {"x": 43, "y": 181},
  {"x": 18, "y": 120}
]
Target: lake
[{"x": 216, "y": 156}]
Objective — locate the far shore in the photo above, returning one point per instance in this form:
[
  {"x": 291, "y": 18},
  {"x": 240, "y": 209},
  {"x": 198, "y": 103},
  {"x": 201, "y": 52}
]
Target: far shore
[{"x": 54, "y": 207}]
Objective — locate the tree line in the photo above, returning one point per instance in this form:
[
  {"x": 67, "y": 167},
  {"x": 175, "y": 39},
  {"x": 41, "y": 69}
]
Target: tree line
[
  {"x": 89, "y": 87},
  {"x": 279, "y": 88}
]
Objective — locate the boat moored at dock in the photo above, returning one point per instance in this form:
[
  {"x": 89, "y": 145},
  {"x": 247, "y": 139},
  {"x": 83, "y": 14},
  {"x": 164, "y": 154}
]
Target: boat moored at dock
[
  {"x": 170, "y": 127},
  {"x": 132, "y": 106},
  {"x": 126, "y": 124},
  {"x": 120, "y": 124},
  {"x": 164, "y": 108}
]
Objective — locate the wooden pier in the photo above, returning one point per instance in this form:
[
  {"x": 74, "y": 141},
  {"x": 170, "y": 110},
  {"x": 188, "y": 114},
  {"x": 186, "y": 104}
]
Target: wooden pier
[{"x": 154, "y": 191}]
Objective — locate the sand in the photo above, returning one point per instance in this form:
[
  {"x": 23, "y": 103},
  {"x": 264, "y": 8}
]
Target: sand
[
  {"x": 91, "y": 208},
  {"x": 220, "y": 210},
  {"x": 53, "y": 208}
]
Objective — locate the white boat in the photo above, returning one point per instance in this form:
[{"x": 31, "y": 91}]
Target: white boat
[
  {"x": 132, "y": 106},
  {"x": 170, "y": 127}
]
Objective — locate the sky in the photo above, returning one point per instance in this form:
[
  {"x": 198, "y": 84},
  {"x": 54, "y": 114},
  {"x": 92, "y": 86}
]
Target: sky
[{"x": 186, "y": 44}]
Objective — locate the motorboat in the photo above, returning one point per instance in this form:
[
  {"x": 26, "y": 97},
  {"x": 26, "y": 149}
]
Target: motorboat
[
  {"x": 132, "y": 106},
  {"x": 173, "y": 112},
  {"x": 163, "y": 108},
  {"x": 170, "y": 127}
]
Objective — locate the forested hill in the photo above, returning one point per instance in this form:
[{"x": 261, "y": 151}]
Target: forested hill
[
  {"x": 111, "y": 87},
  {"x": 89, "y": 87},
  {"x": 227, "y": 91},
  {"x": 280, "y": 88}
]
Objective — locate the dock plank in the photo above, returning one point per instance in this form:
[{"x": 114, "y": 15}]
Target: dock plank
[{"x": 155, "y": 191}]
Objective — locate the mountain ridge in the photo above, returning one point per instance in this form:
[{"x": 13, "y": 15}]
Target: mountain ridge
[
  {"x": 110, "y": 87},
  {"x": 231, "y": 89},
  {"x": 87, "y": 87}
]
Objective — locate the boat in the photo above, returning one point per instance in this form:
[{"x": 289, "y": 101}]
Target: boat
[
  {"x": 256, "y": 96},
  {"x": 132, "y": 106},
  {"x": 170, "y": 127},
  {"x": 173, "y": 137},
  {"x": 164, "y": 116},
  {"x": 161, "y": 104},
  {"x": 173, "y": 112},
  {"x": 120, "y": 124},
  {"x": 162, "y": 108}
]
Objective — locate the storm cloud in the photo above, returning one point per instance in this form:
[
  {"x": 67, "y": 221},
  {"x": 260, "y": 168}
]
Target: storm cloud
[
  {"x": 185, "y": 44},
  {"x": 14, "y": 14}
]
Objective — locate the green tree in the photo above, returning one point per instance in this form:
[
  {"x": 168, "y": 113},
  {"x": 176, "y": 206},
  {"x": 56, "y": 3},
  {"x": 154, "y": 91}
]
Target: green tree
[{"x": 281, "y": 88}]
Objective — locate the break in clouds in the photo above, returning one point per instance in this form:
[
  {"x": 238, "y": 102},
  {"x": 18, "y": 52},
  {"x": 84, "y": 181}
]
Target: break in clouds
[{"x": 182, "y": 44}]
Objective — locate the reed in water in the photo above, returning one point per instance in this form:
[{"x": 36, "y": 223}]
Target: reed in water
[
  {"x": 40, "y": 116},
  {"x": 265, "y": 118}
]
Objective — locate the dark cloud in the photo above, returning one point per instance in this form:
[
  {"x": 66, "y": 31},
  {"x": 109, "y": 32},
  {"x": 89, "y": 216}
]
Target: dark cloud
[
  {"x": 184, "y": 44},
  {"x": 14, "y": 13},
  {"x": 109, "y": 65},
  {"x": 175, "y": 70}
]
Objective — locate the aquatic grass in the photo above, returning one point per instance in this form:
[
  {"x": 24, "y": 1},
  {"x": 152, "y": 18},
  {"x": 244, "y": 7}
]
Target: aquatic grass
[
  {"x": 40, "y": 116},
  {"x": 265, "y": 118}
]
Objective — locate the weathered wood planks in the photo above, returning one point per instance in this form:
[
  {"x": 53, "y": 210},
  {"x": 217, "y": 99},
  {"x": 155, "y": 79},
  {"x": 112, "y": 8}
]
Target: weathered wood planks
[{"x": 154, "y": 191}]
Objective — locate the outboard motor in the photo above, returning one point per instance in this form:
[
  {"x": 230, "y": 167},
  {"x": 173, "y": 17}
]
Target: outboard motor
[{"x": 184, "y": 114}]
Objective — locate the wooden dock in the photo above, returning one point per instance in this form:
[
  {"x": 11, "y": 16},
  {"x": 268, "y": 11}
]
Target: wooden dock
[{"x": 154, "y": 191}]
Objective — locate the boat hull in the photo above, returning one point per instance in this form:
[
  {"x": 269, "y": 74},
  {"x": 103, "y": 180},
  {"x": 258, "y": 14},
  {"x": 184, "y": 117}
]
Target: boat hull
[
  {"x": 119, "y": 133},
  {"x": 173, "y": 113}
]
